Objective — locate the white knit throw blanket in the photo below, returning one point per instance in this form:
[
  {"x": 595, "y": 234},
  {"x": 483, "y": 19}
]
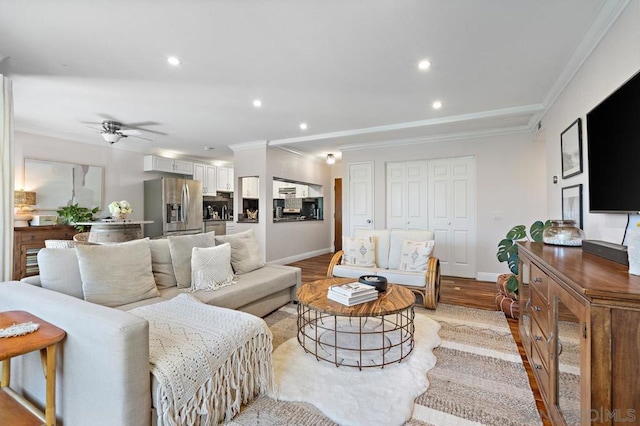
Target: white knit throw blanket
[{"x": 208, "y": 360}]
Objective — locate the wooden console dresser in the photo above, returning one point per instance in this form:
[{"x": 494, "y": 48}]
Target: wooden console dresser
[
  {"x": 580, "y": 328},
  {"x": 28, "y": 240}
]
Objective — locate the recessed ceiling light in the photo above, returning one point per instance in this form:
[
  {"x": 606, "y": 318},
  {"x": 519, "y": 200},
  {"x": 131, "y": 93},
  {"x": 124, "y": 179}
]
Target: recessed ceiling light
[
  {"x": 173, "y": 61},
  {"x": 303, "y": 126},
  {"x": 424, "y": 65},
  {"x": 257, "y": 103},
  {"x": 437, "y": 105}
]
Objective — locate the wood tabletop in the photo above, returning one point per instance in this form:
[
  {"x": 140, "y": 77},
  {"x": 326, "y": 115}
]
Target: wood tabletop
[
  {"x": 395, "y": 299},
  {"x": 47, "y": 334}
]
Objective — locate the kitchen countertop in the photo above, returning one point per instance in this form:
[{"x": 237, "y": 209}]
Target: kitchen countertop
[
  {"x": 295, "y": 219},
  {"x": 217, "y": 220}
]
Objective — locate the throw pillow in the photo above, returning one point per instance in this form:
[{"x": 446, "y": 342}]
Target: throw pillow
[
  {"x": 359, "y": 251},
  {"x": 211, "y": 268},
  {"x": 245, "y": 251},
  {"x": 414, "y": 255},
  {"x": 59, "y": 271},
  {"x": 395, "y": 243},
  {"x": 161, "y": 263},
  {"x": 181, "y": 247},
  {"x": 116, "y": 274}
]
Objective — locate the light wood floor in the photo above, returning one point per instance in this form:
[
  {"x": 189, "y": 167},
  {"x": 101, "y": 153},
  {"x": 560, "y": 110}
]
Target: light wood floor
[{"x": 454, "y": 291}]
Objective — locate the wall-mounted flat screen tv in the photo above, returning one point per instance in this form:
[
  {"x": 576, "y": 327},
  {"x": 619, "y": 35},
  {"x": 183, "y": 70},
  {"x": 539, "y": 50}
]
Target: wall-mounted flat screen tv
[{"x": 613, "y": 141}]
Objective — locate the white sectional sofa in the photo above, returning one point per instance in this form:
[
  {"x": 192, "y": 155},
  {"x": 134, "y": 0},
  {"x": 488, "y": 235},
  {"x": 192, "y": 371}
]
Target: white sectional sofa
[
  {"x": 388, "y": 262},
  {"x": 103, "y": 373}
]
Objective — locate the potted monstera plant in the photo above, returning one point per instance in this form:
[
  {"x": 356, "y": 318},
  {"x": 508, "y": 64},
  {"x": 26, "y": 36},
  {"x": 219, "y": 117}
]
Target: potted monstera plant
[{"x": 507, "y": 298}]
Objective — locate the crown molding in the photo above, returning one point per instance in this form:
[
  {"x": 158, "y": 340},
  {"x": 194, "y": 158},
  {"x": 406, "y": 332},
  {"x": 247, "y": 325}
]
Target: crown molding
[
  {"x": 439, "y": 138},
  {"x": 248, "y": 145}
]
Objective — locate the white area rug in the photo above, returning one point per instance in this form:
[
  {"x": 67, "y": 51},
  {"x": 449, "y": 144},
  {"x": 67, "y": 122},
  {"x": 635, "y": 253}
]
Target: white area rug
[{"x": 352, "y": 397}]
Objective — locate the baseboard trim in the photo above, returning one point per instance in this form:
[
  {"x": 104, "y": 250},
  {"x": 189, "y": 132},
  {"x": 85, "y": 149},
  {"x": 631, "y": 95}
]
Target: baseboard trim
[
  {"x": 487, "y": 276},
  {"x": 302, "y": 256}
]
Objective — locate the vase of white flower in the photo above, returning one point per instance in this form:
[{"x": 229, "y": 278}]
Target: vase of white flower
[{"x": 120, "y": 209}]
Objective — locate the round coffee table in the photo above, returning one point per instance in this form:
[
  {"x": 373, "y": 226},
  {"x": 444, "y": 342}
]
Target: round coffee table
[{"x": 371, "y": 334}]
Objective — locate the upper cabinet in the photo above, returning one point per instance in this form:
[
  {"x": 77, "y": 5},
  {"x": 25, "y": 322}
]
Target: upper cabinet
[
  {"x": 224, "y": 181},
  {"x": 207, "y": 175},
  {"x": 155, "y": 163},
  {"x": 250, "y": 187}
]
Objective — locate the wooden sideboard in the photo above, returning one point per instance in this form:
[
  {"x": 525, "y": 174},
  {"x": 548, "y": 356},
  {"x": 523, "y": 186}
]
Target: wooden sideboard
[
  {"x": 580, "y": 328},
  {"x": 28, "y": 240}
]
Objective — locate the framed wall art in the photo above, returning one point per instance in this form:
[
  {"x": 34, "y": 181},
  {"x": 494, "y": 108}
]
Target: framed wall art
[
  {"x": 62, "y": 184},
  {"x": 571, "y": 147},
  {"x": 572, "y": 204}
]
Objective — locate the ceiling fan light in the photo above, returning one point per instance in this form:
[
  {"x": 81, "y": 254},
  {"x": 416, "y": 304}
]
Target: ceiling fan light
[{"x": 111, "y": 137}]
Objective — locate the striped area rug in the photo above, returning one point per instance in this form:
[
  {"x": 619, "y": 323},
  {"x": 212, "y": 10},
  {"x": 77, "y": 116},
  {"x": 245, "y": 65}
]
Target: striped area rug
[{"x": 478, "y": 379}]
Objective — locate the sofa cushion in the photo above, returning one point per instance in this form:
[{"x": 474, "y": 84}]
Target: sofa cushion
[
  {"x": 59, "y": 271},
  {"x": 414, "y": 255},
  {"x": 211, "y": 268},
  {"x": 161, "y": 264},
  {"x": 249, "y": 288},
  {"x": 396, "y": 239},
  {"x": 382, "y": 244},
  {"x": 116, "y": 274},
  {"x": 245, "y": 251},
  {"x": 350, "y": 271},
  {"x": 181, "y": 247},
  {"x": 359, "y": 251},
  {"x": 394, "y": 276}
]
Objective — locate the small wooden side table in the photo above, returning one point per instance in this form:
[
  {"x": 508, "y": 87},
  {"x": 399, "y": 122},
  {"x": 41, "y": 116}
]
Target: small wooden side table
[{"x": 45, "y": 339}]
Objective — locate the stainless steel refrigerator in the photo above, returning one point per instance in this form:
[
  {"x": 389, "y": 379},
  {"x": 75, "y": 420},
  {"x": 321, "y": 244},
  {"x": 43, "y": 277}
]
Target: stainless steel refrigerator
[{"x": 174, "y": 205}]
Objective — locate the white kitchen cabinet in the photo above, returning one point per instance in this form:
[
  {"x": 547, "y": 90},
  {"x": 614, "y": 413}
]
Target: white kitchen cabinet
[
  {"x": 224, "y": 181},
  {"x": 231, "y": 228},
  {"x": 250, "y": 187},
  {"x": 155, "y": 163},
  {"x": 301, "y": 190},
  {"x": 207, "y": 175}
]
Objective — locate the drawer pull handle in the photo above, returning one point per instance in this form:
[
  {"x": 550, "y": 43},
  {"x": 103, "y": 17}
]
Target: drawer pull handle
[
  {"x": 537, "y": 366},
  {"x": 537, "y": 280},
  {"x": 537, "y": 338},
  {"x": 537, "y": 308}
]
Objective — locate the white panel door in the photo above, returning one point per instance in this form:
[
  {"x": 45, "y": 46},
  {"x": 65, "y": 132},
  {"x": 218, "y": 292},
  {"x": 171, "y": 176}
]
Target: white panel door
[
  {"x": 360, "y": 196},
  {"x": 452, "y": 214},
  {"x": 407, "y": 195}
]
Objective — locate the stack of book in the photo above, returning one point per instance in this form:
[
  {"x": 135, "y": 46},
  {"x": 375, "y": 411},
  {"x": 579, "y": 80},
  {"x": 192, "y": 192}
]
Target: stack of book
[{"x": 352, "y": 293}]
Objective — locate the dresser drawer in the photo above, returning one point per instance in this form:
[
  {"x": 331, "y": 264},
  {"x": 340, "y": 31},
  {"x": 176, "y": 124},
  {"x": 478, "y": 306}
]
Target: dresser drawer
[
  {"x": 539, "y": 309},
  {"x": 540, "y": 372},
  {"x": 540, "y": 282},
  {"x": 540, "y": 342}
]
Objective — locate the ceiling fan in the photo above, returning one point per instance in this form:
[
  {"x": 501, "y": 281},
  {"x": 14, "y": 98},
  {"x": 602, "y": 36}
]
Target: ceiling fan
[{"x": 112, "y": 132}]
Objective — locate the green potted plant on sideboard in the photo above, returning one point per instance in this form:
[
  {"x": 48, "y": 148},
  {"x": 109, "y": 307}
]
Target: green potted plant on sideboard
[
  {"x": 72, "y": 214},
  {"x": 507, "y": 299}
]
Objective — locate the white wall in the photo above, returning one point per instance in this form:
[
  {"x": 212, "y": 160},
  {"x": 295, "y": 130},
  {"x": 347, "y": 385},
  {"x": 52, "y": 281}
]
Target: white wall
[
  {"x": 614, "y": 60},
  {"x": 291, "y": 241},
  {"x": 510, "y": 173},
  {"x": 123, "y": 170}
]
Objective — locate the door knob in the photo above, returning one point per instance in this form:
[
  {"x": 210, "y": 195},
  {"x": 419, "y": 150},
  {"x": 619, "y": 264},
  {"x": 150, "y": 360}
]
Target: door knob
[{"x": 368, "y": 220}]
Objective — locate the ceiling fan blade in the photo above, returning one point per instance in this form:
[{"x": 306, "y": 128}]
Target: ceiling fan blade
[
  {"x": 140, "y": 124},
  {"x": 130, "y": 132}
]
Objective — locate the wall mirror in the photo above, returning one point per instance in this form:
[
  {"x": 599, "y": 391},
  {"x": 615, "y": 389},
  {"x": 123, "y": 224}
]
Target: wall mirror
[{"x": 59, "y": 184}]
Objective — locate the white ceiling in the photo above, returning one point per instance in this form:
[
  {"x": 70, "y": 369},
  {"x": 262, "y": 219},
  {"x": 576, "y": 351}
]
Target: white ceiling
[{"x": 348, "y": 68}]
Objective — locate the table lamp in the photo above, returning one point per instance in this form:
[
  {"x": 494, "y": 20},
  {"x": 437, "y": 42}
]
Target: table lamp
[{"x": 22, "y": 199}]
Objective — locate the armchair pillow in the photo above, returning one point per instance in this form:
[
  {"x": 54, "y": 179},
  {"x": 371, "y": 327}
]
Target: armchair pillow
[
  {"x": 245, "y": 251},
  {"x": 414, "y": 255},
  {"x": 181, "y": 247},
  {"x": 116, "y": 274},
  {"x": 396, "y": 239},
  {"x": 211, "y": 268},
  {"x": 359, "y": 251}
]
